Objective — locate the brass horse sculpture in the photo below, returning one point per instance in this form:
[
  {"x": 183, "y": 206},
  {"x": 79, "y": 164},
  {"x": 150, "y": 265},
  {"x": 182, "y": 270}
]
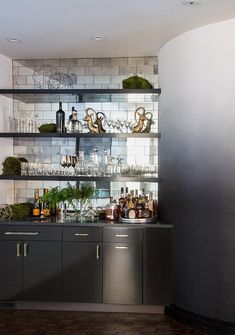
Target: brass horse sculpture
[
  {"x": 143, "y": 123},
  {"x": 94, "y": 121}
]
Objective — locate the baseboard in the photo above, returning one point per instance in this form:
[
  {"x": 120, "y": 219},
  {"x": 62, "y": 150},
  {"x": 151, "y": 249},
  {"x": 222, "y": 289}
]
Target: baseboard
[
  {"x": 200, "y": 322},
  {"x": 85, "y": 307}
]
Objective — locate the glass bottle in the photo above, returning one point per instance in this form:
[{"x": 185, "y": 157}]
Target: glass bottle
[
  {"x": 73, "y": 125},
  {"x": 81, "y": 165},
  {"x": 111, "y": 210},
  {"x": 36, "y": 205},
  {"x": 60, "y": 120},
  {"x": 46, "y": 204}
]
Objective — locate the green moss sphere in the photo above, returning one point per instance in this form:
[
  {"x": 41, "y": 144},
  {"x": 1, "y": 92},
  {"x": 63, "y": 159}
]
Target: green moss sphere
[{"x": 136, "y": 82}]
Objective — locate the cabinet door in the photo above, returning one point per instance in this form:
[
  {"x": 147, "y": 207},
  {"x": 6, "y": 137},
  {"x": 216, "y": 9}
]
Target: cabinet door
[
  {"x": 157, "y": 266},
  {"x": 11, "y": 270},
  {"x": 42, "y": 268},
  {"x": 122, "y": 273},
  {"x": 82, "y": 272}
]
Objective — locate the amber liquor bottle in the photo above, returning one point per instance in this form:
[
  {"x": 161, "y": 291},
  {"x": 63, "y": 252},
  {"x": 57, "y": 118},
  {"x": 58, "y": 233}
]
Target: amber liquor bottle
[
  {"x": 36, "y": 205},
  {"x": 132, "y": 212},
  {"x": 111, "y": 210}
]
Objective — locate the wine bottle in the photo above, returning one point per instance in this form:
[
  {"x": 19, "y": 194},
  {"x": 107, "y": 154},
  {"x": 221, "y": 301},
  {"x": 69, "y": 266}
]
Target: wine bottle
[
  {"x": 36, "y": 205},
  {"x": 46, "y": 205},
  {"x": 60, "y": 120}
]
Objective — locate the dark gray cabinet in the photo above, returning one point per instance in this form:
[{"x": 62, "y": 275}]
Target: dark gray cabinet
[
  {"x": 11, "y": 270},
  {"x": 156, "y": 266},
  {"x": 42, "y": 271},
  {"x": 122, "y": 265},
  {"x": 112, "y": 264},
  {"x": 30, "y": 267},
  {"x": 82, "y": 264}
]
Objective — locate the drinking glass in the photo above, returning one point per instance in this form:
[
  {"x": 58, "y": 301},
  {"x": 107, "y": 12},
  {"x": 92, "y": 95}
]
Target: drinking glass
[
  {"x": 63, "y": 162},
  {"x": 24, "y": 168}
]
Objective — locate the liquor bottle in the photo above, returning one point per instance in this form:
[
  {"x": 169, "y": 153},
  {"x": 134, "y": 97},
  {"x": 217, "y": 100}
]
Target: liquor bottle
[
  {"x": 131, "y": 213},
  {"x": 146, "y": 212},
  {"x": 111, "y": 210},
  {"x": 60, "y": 120},
  {"x": 151, "y": 204},
  {"x": 73, "y": 125},
  {"x": 121, "y": 203},
  {"x": 46, "y": 204},
  {"x": 36, "y": 206},
  {"x": 139, "y": 207}
]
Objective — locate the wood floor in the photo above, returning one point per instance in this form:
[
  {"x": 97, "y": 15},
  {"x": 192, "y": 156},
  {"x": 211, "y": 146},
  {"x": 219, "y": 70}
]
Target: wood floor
[{"x": 21, "y": 322}]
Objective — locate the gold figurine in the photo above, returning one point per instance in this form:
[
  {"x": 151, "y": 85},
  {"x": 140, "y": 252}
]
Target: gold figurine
[
  {"x": 143, "y": 123},
  {"x": 94, "y": 121}
]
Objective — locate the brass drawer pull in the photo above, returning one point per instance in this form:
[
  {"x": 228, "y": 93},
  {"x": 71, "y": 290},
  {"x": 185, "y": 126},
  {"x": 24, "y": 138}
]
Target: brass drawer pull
[
  {"x": 118, "y": 247},
  {"x": 21, "y": 233},
  {"x": 80, "y": 234},
  {"x": 18, "y": 250},
  {"x": 25, "y": 249},
  {"x": 121, "y": 235},
  {"x": 97, "y": 251}
]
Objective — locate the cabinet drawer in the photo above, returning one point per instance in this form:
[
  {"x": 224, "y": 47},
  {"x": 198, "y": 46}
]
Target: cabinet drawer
[
  {"x": 30, "y": 233},
  {"x": 82, "y": 234},
  {"x": 122, "y": 234}
]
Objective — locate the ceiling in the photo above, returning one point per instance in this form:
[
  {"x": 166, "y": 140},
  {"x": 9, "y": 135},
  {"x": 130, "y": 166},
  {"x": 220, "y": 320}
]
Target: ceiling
[{"x": 62, "y": 28}]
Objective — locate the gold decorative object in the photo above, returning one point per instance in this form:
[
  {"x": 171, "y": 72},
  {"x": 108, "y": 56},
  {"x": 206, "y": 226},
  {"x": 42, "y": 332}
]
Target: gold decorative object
[
  {"x": 99, "y": 120},
  {"x": 149, "y": 123},
  {"x": 143, "y": 122},
  {"x": 90, "y": 118},
  {"x": 5, "y": 212},
  {"x": 94, "y": 121}
]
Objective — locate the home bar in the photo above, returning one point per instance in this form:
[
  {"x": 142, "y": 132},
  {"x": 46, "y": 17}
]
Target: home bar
[{"x": 117, "y": 188}]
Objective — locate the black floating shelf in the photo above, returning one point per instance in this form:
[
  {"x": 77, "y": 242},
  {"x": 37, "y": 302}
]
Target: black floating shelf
[
  {"x": 83, "y": 178},
  {"x": 82, "y": 135},
  {"x": 80, "y": 91},
  {"x": 75, "y": 95}
]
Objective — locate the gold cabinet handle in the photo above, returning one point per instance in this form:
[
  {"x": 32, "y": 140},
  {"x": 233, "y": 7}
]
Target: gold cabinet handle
[
  {"x": 25, "y": 249},
  {"x": 119, "y": 247},
  {"x": 98, "y": 251},
  {"x": 18, "y": 250}
]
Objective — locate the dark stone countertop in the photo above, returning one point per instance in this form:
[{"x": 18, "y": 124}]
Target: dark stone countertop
[{"x": 100, "y": 223}]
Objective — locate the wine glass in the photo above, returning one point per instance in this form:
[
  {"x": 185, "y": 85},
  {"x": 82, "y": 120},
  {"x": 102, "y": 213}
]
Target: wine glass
[
  {"x": 127, "y": 125},
  {"x": 109, "y": 124},
  {"x": 63, "y": 161}
]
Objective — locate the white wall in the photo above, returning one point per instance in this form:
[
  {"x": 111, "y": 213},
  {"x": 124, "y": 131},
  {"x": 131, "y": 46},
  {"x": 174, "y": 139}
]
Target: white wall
[
  {"x": 197, "y": 166},
  {"x": 6, "y": 145}
]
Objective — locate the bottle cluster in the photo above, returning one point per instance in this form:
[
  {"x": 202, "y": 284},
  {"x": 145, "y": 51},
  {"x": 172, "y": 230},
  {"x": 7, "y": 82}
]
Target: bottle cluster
[
  {"x": 73, "y": 124},
  {"x": 41, "y": 208},
  {"x": 131, "y": 205}
]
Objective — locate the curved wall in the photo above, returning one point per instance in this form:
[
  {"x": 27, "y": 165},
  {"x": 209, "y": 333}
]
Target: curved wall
[{"x": 197, "y": 166}]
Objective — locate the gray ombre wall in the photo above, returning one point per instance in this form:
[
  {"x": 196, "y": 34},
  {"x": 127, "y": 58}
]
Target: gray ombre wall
[{"x": 197, "y": 166}]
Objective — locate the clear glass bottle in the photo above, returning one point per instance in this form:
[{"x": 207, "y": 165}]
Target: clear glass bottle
[
  {"x": 73, "y": 125},
  {"x": 111, "y": 210},
  {"x": 81, "y": 167}
]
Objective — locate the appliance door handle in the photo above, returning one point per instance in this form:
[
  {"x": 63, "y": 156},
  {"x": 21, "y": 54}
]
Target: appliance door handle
[
  {"x": 21, "y": 233},
  {"x": 121, "y": 247},
  {"x": 121, "y": 235}
]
